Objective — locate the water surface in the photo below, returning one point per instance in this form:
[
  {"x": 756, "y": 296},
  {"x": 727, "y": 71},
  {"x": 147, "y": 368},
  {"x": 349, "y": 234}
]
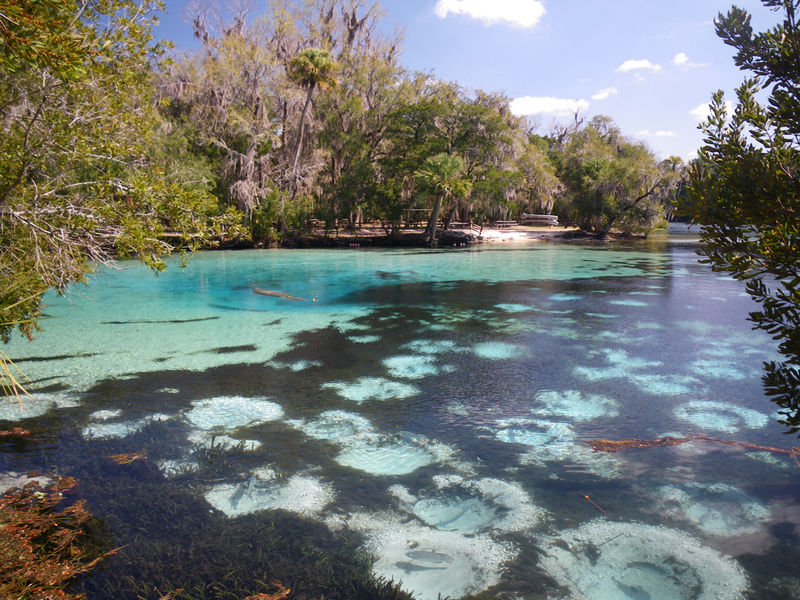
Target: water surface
[{"x": 429, "y": 408}]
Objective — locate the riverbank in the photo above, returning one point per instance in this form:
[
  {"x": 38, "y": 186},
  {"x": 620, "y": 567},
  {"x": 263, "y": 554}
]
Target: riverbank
[{"x": 375, "y": 236}]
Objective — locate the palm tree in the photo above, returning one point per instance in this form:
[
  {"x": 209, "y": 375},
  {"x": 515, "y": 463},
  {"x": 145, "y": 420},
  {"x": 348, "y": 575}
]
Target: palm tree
[
  {"x": 440, "y": 175},
  {"x": 312, "y": 68}
]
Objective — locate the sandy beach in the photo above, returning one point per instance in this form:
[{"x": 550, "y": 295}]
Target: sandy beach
[
  {"x": 520, "y": 234},
  {"x": 517, "y": 234}
]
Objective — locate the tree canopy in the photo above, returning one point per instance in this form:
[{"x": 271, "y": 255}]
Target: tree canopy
[
  {"x": 83, "y": 173},
  {"x": 745, "y": 187}
]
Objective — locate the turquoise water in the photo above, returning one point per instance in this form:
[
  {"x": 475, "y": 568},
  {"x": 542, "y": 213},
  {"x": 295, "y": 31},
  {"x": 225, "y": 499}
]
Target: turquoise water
[{"x": 431, "y": 408}]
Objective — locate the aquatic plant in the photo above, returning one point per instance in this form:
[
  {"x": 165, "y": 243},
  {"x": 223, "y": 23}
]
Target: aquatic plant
[
  {"x": 201, "y": 554},
  {"x": 43, "y": 547}
]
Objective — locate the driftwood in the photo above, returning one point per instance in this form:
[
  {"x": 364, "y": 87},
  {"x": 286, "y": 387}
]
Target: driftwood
[
  {"x": 283, "y": 295},
  {"x": 615, "y": 445}
]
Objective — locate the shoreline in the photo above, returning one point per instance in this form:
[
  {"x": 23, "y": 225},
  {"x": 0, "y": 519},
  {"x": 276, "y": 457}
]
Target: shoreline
[{"x": 371, "y": 236}]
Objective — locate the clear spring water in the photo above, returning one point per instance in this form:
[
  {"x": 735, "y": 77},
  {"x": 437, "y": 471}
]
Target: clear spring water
[{"x": 435, "y": 403}]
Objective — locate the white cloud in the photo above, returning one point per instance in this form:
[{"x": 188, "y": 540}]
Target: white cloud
[
  {"x": 536, "y": 105},
  {"x": 702, "y": 111},
  {"x": 682, "y": 60},
  {"x": 638, "y": 65},
  {"x": 659, "y": 133},
  {"x": 519, "y": 13},
  {"x": 604, "y": 93}
]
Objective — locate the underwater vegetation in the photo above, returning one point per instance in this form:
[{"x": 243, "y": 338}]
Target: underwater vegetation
[
  {"x": 171, "y": 543},
  {"x": 43, "y": 544}
]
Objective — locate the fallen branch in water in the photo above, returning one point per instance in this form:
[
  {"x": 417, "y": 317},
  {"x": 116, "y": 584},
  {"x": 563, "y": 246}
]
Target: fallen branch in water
[
  {"x": 14, "y": 431},
  {"x": 615, "y": 445},
  {"x": 283, "y": 295}
]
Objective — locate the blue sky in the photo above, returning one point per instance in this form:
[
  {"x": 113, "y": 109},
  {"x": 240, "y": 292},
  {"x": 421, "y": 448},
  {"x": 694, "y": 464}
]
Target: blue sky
[{"x": 651, "y": 65}]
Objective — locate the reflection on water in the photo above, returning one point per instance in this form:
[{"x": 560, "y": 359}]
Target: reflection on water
[{"x": 432, "y": 409}]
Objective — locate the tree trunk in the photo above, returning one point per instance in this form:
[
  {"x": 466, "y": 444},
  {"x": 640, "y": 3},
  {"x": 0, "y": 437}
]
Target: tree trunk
[
  {"x": 300, "y": 136},
  {"x": 431, "y": 231}
]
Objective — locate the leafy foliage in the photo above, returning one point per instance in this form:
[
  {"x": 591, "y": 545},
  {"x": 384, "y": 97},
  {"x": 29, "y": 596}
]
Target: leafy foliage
[
  {"x": 80, "y": 175},
  {"x": 611, "y": 181},
  {"x": 745, "y": 189},
  {"x": 441, "y": 175}
]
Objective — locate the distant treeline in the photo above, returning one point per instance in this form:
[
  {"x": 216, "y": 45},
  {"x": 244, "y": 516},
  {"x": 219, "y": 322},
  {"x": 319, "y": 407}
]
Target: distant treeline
[{"x": 307, "y": 112}]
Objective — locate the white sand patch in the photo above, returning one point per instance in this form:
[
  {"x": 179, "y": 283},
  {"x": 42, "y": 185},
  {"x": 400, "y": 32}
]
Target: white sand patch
[
  {"x": 472, "y": 506},
  {"x": 604, "y": 560},
  {"x": 334, "y": 425},
  {"x": 299, "y": 365},
  {"x": 498, "y": 350},
  {"x": 230, "y": 412},
  {"x": 397, "y": 454},
  {"x": 431, "y": 346},
  {"x": 372, "y": 388},
  {"x": 411, "y": 366},
  {"x": 554, "y": 441},
  {"x": 430, "y": 563},
  {"x": 575, "y": 405},
  {"x": 12, "y": 479},
  {"x": 716, "y": 508},
  {"x": 720, "y": 416},
  {"x": 302, "y": 494},
  {"x": 387, "y": 459},
  {"x": 105, "y": 415},
  {"x": 33, "y": 405},
  {"x": 119, "y": 429}
]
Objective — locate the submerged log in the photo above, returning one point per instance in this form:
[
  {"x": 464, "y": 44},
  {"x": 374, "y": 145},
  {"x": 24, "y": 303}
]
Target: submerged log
[
  {"x": 283, "y": 295},
  {"x": 615, "y": 445}
]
